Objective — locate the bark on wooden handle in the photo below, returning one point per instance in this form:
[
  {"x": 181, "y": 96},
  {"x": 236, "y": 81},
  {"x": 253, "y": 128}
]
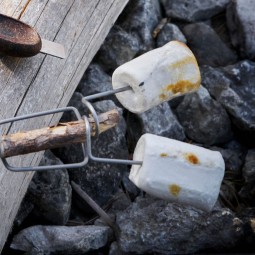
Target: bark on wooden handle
[{"x": 53, "y": 137}]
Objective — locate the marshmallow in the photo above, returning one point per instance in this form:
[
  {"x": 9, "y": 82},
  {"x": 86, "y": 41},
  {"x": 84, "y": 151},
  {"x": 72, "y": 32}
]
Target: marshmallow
[
  {"x": 157, "y": 76},
  {"x": 178, "y": 171}
]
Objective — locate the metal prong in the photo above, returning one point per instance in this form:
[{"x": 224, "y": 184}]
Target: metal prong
[
  {"x": 108, "y": 93},
  {"x": 104, "y": 160},
  {"x": 94, "y": 114},
  {"x": 50, "y": 167}
]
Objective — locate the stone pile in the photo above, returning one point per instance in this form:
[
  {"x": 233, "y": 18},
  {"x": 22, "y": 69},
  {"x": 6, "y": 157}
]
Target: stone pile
[{"x": 53, "y": 219}]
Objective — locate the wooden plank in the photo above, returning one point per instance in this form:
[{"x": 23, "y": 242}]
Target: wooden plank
[{"x": 44, "y": 82}]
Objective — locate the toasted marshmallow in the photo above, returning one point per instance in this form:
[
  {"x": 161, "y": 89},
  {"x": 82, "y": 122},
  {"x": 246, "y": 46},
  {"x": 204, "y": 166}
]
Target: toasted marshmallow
[
  {"x": 178, "y": 171},
  {"x": 157, "y": 76}
]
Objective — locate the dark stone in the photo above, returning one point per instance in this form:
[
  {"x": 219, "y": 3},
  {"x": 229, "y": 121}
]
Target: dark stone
[
  {"x": 35, "y": 251},
  {"x": 249, "y": 166},
  {"x": 50, "y": 192},
  {"x": 115, "y": 249},
  {"x": 204, "y": 120},
  {"x": 120, "y": 202},
  {"x": 175, "y": 102},
  {"x": 61, "y": 240},
  {"x": 241, "y": 24},
  {"x": 207, "y": 46},
  {"x": 159, "y": 120},
  {"x": 194, "y": 10},
  {"x": 118, "y": 48},
  {"x": 25, "y": 209},
  {"x": 233, "y": 162},
  {"x": 233, "y": 87},
  {"x": 219, "y": 25},
  {"x": 170, "y": 32},
  {"x": 95, "y": 80},
  {"x": 247, "y": 243},
  {"x": 235, "y": 146},
  {"x": 140, "y": 18},
  {"x": 234, "y": 155},
  {"x": 129, "y": 187},
  {"x": 76, "y": 101},
  {"x": 100, "y": 180},
  {"x": 247, "y": 193},
  {"x": 159, "y": 227}
]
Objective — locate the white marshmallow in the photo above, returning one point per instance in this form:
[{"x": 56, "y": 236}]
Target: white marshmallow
[
  {"x": 178, "y": 171},
  {"x": 157, "y": 76}
]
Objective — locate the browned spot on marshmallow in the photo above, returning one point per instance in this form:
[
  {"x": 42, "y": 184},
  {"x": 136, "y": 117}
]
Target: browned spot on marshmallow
[
  {"x": 163, "y": 97},
  {"x": 174, "y": 189},
  {"x": 192, "y": 158},
  {"x": 163, "y": 155},
  {"x": 182, "y": 86},
  {"x": 185, "y": 61}
]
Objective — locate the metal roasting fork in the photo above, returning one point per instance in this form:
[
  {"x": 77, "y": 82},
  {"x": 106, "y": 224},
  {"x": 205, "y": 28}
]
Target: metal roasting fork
[{"x": 86, "y": 147}]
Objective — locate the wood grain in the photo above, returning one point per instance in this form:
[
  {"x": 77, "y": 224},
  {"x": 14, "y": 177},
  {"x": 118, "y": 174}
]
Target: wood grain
[
  {"x": 56, "y": 136},
  {"x": 44, "y": 82}
]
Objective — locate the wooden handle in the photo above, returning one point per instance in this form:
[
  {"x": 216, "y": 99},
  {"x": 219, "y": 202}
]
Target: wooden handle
[
  {"x": 53, "y": 137},
  {"x": 17, "y": 38}
]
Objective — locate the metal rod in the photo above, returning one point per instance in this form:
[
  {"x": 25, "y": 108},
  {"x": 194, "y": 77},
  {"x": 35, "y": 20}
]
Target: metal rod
[
  {"x": 94, "y": 114},
  {"x": 104, "y": 160},
  {"x": 107, "y": 93},
  {"x": 51, "y": 167},
  {"x": 84, "y": 195},
  {"x": 38, "y": 114}
]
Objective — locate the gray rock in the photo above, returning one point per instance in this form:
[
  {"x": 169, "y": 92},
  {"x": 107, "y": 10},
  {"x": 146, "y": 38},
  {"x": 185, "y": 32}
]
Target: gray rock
[
  {"x": 175, "y": 102},
  {"x": 247, "y": 193},
  {"x": 157, "y": 226},
  {"x": 233, "y": 162},
  {"x": 35, "y": 251},
  {"x": 129, "y": 187},
  {"x": 233, "y": 154},
  {"x": 61, "y": 240},
  {"x": 194, "y": 10},
  {"x": 219, "y": 25},
  {"x": 207, "y": 46},
  {"x": 120, "y": 202},
  {"x": 114, "y": 249},
  {"x": 204, "y": 119},
  {"x": 235, "y": 146},
  {"x": 249, "y": 166},
  {"x": 99, "y": 180},
  {"x": 241, "y": 24},
  {"x": 25, "y": 209},
  {"x": 140, "y": 18},
  {"x": 233, "y": 87},
  {"x": 51, "y": 192},
  {"x": 169, "y": 33},
  {"x": 118, "y": 48},
  {"x": 247, "y": 243},
  {"x": 76, "y": 101},
  {"x": 95, "y": 80},
  {"x": 159, "y": 120}
]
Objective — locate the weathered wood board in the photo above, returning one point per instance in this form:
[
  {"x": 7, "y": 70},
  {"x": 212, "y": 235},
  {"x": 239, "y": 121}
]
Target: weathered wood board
[{"x": 44, "y": 82}]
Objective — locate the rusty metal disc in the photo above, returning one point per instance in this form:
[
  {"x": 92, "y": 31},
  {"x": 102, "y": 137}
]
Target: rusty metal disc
[{"x": 18, "y": 39}]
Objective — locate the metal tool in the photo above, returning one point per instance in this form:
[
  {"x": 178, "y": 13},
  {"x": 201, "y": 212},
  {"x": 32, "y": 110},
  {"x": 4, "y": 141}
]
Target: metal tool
[
  {"x": 86, "y": 147},
  {"x": 166, "y": 168},
  {"x": 18, "y": 39},
  {"x": 39, "y": 168},
  {"x": 107, "y": 93}
]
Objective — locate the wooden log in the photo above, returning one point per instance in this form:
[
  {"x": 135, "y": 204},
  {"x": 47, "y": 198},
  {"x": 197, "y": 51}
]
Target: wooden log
[
  {"x": 54, "y": 137},
  {"x": 44, "y": 82}
]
